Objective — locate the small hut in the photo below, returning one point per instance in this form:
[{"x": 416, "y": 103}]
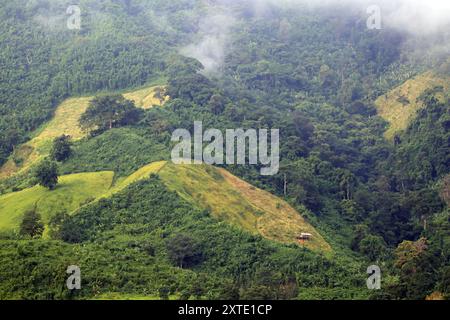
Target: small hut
[{"x": 304, "y": 236}]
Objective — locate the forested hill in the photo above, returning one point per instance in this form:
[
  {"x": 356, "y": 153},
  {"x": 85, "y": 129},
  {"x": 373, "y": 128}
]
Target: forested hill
[
  {"x": 120, "y": 45},
  {"x": 371, "y": 179}
]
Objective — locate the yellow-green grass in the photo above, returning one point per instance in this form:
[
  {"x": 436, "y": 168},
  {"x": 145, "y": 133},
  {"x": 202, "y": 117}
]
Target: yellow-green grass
[
  {"x": 145, "y": 98},
  {"x": 233, "y": 200},
  {"x": 64, "y": 122},
  {"x": 280, "y": 222},
  {"x": 72, "y": 192},
  {"x": 205, "y": 187},
  {"x": 399, "y": 107},
  {"x": 227, "y": 197},
  {"x": 141, "y": 174}
]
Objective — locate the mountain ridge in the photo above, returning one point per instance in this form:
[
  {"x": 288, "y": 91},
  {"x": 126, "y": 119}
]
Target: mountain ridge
[{"x": 227, "y": 197}]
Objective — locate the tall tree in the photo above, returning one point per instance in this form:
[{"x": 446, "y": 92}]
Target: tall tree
[
  {"x": 107, "y": 112},
  {"x": 61, "y": 149},
  {"x": 31, "y": 224},
  {"x": 182, "y": 250},
  {"x": 47, "y": 174},
  {"x": 416, "y": 264}
]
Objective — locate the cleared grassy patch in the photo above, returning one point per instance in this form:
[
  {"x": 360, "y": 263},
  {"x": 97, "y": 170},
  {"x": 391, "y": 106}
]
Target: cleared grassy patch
[
  {"x": 233, "y": 200},
  {"x": 227, "y": 197},
  {"x": 143, "y": 173},
  {"x": 145, "y": 98},
  {"x": 65, "y": 121},
  {"x": 399, "y": 107},
  {"x": 280, "y": 222},
  {"x": 72, "y": 192},
  {"x": 199, "y": 185}
]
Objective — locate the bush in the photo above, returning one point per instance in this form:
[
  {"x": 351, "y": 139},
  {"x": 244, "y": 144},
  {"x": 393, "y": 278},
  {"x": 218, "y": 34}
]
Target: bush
[
  {"x": 31, "y": 224},
  {"x": 61, "y": 149},
  {"x": 47, "y": 174}
]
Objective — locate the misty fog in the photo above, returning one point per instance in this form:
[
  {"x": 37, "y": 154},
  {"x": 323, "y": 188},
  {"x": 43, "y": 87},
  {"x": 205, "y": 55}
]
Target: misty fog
[{"x": 418, "y": 18}]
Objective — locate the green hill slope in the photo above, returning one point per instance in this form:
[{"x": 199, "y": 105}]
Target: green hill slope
[
  {"x": 72, "y": 192},
  {"x": 233, "y": 200},
  {"x": 65, "y": 122},
  {"x": 399, "y": 107},
  {"x": 227, "y": 197}
]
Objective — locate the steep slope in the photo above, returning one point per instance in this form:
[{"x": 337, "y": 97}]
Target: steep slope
[
  {"x": 399, "y": 107},
  {"x": 280, "y": 222},
  {"x": 141, "y": 174},
  {"x": 233, "y": 200},
  {"x": 72, "y": 192},
  {"x": 225, "y": 196},
  {"x": 148, "y": 97},
  {"x": 65, "y": 121}
]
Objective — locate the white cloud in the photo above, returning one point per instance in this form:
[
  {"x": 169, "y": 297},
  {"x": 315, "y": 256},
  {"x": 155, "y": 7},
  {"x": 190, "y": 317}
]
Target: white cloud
[
  {"x": 213, "y": 39},
  {"x": 418, "y": 17}
]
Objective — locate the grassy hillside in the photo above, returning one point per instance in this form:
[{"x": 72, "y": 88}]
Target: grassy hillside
[
  {"x": 143, "y": 173},
  {"x": 122, "y": 246},
  {"x": 230, "y": 199},
  {"x": 72, "y": 192},
  {"x": 65, "y": 121},
  {"x": 145, "y": 98},
  {"x": 227, "y": 197},
  {"x": 233, "y": 200},
  {"x": 280, "y": 222},
  {"x": 122, "y": 150},
  {"x": 399, "y": 107}
]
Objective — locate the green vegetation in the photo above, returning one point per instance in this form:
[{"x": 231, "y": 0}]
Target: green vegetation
[
  {"x": 107, "y": 112},
  {"x": 47, "y": 174},
  {"x": 183, "y": 252},
  {"x": 230, "y": 199},
  {"x": 31, "y": 224},
  {"x": 400, "y": 106},
  {"x": 61, "y": 149},
  {"x": 227, "y": 197},
  {"x": 122, "y": 150},
  {"x": 71, "y": 192},
  {"x": 64, "y": 123},
  {"x": 57, "y": 62},
  {"x": 162, "y": 231},
  {"x": 137, "y": 233}
]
